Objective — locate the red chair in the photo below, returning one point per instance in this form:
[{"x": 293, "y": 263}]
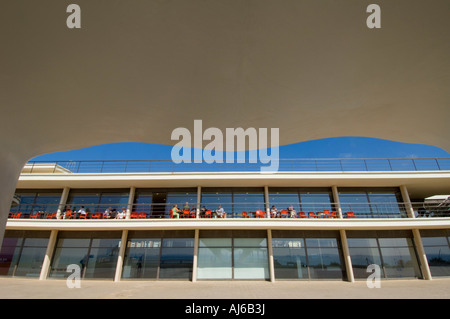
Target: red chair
[
  {"x": 185, "y": 213},
  {"x": 284, "y": 214},
  {"x": 16, "y": 215},
  {"x": 208, "y": 213},
  {"x": 142, "y": 215},
  {"x": 326, "y": 213},
  {"x": 351, "y": 214},
  {"x": 302, "y": 215},
  {"x": 97, "y": 216},
  {"x": 69, "y": 215},
  {"x": 260, "y": 214},
  {"x": 245, "y": 215},
  {"x": 135, "y": 215},
  {"x": 193, "y": 214},
  {"x": 313, "y": 215},
  {"x": 51, "y": 216},
  {"x": 333, "y": 215},
  {"x": 83, "y": 216},
  {"x": 35, "y": 215}
]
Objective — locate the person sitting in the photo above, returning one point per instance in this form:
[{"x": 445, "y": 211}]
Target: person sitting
[
  {"x": 107, "y": 213},
  {"x": 203, "y": 211},
  {"x": 67, "y": 211},
  {"x": 122, "y": 214},
  {"x": 220, "y": 212},
  {"x": 292, "y": 211},
  {"x": 175, "y": 212},
  {"x": 82, "y": 212},
  {"x": 186, "y": 207},
  {"x": 273, "y": 212}
]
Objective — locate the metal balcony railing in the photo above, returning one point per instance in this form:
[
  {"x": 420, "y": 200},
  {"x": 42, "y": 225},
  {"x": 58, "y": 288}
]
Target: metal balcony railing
[
  {"x": 296, "y": 211},
  {"x": 283, "y": 165}
]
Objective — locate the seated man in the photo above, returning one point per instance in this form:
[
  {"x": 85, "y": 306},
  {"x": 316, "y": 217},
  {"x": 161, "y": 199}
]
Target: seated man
[
  {"x": 220, "y": 212},
  {"x": 82, "y": 212}
]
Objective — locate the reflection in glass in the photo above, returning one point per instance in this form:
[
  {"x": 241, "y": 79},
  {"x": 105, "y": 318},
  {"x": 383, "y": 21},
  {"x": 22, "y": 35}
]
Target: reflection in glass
[{"x": 307, "y": 258}]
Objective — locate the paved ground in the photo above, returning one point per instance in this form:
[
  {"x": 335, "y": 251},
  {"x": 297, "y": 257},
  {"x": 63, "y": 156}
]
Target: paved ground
[{"x": 16, "y": 288}]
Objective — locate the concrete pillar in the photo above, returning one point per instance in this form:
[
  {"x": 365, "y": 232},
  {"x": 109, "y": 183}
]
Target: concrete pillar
[
  {"x": 62, "y": 202},
  {"x": 337, "y": 201},
  {"x": 10, "y": 167},
  {"x": 347, "y": 258},
  {"x": 130, "y": 201},
  {"x": 407, "y": 201},
  {"x": 120, "y": 258},
  {"x": 422, "y": 256},
  {"x": 195, "y": 261},
  {"x": 199, "y": 199},
  {"x": 270, "y": 253},
  {"x": 48, "y": 255},
  {"x": 266, "y": 200}
]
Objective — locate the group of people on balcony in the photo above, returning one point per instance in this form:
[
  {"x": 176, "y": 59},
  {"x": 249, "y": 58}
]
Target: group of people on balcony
[
  {"x": 175, "y": 212},
  {"x": 84, "y": 213}
]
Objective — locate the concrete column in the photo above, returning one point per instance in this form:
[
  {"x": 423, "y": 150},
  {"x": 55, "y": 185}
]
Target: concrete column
[
  {"x": 10, "y": 167},
  {"x": 407, "y": 201},
  {"x": 270, "y": 252},
  {"x": 199, "y": 199},
  {"x": 48, "y": 255},
  {"x": 347, "y": 258},
  {"x": 337, "y": 201},
  {"x": 266, "y": 200},
  {"x": 422, "y": 256},
  {"x": 130, "y": 201},
  {"x": 62, "y": 202},
  {"x": 120, "y": 258},
  {"x": 195, "y": 261}
]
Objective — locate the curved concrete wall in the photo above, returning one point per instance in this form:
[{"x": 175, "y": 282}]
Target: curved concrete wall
[{"x": 138, "y": 69}]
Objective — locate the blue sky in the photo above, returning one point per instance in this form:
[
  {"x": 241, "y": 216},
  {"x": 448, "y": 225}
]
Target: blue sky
[{"x": 340, "y": 147}]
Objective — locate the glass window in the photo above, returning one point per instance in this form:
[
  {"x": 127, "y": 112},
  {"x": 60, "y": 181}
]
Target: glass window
[
  {"x": 232, "y": 255},
  {"x": 282, "y": 199},
  {"x": 290, "y": 263},
  {"x": 214, "y": 263},
  {"x": 95, "y": 252},
  {"x": 393, "y": 251},
  {"x": 23, "y": 252},
  {"x": 248, "y": 201},
  {"x": 98, "y": 200},
  {"x": 211, "y": 199},
  {"x": 250, "y": 263},
  {"x": 372, "y": 203},
  {"x": 233, "y": 200},
  {"x": 315, "y": 202},
  {"x": 32, "y": 201},
  {"x": 437, "y": 249},
  {"x": 324, "y": 263},
  {"x": 307, "y": 257},
  {"x": 159, "y": 255}
]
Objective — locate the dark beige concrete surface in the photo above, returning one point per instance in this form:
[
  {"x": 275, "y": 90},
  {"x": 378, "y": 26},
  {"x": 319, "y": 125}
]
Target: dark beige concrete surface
[{"x": 15, "y": 288}]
